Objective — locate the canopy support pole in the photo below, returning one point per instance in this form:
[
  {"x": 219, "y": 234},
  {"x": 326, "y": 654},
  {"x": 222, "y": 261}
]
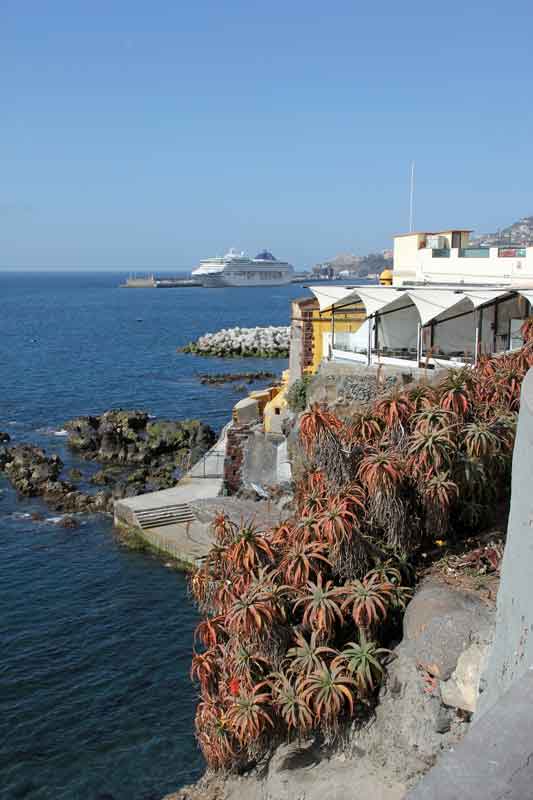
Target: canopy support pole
[
  {"x": 369, "y": 344},
  {"x": 332, "y": 327},
  {"x": 418, "y": 343},
  {"x": 479, "y": 324}
]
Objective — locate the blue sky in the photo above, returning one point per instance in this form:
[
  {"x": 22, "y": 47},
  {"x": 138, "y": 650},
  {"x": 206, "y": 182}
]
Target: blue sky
[{"x": 151, "y": 134}]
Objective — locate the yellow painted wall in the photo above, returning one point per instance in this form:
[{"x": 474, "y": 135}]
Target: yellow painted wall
[
  {"x": 348, "y": 320},
  {"x": 274, "y": 410}
]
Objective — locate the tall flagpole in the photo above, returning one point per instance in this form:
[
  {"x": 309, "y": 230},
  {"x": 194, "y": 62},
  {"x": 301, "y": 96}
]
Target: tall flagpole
[{"x": 412, "y": 198}]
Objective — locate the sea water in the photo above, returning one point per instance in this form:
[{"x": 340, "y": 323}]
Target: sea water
[{"x": 96, "y": 640}]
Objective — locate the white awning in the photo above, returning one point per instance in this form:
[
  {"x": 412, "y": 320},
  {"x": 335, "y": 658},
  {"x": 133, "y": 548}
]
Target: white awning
[
  {"x": 377, "y": 298},
  {"x": 432, "y": 302},
  {"x": 479, "y": 297},
  {"x": 528, "y": 294},
  {"x": 374, "y": 298},
  {"x": 329, "y": 295}
]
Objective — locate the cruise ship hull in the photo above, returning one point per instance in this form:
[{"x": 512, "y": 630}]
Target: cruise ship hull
[{"x": 221, "y": 280}]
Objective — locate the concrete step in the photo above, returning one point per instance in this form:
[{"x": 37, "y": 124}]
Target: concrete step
[{"x": 164, "y": 515}]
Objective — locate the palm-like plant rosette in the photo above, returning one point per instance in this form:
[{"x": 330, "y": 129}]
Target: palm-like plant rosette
[
  {"x": 363, "y": 661},
  {"x": 330, "y": 692},
  {"x": 320, "y": 605},
  {"x": 367, "y": 600}
]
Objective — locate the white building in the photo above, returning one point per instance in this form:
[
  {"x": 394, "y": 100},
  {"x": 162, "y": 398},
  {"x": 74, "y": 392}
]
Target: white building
[{"x": 445, "y": 257}]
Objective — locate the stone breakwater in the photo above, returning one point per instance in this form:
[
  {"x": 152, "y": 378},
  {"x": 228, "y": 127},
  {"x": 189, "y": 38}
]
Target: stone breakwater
[{"x": 268, "y": 342}]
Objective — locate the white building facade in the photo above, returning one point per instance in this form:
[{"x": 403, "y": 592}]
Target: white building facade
[{"x": 446, "y": 257}]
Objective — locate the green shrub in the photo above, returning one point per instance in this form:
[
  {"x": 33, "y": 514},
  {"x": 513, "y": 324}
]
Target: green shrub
[{"x": 297, "y": 394}]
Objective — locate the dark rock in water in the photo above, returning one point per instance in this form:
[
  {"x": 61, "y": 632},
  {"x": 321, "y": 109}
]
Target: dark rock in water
[
  {"x": 106, "y": 476},
  {"x": 131, "y": 437},
  {"x": 35, "y": 474},
  {"x": 68, "y": 522},
  {"x": 82, "y": 432},
  {"x": 74, "y": 474},
  {"x": 160, "y": 448},
  {"x": 29, "y": 468},
  {"x": 231, "y": 377},
  {"x": 4, "y": 437},
  {"x": 36, "y": 516}
]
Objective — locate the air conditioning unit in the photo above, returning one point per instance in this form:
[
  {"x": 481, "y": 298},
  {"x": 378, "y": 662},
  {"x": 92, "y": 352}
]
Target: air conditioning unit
[{"x": 436, "y": 242}]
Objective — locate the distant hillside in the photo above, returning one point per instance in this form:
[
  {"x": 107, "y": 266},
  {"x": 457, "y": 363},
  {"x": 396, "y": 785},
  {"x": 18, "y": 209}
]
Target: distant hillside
[
  {"x": 520, "y": 232},
  {"x": 348, "y": 264}
]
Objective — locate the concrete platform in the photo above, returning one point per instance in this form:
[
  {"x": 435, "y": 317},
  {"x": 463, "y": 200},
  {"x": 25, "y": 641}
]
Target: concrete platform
[
  {"x": 190, "y": 541},
  {"x": 165, "y": 518},
  {"x": 178, "y": 521}
]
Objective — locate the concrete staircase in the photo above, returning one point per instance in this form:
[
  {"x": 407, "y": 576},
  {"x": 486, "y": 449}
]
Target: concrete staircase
[
  {"x": 164, "y": 515},
  {"x": 165, "y": 518}
]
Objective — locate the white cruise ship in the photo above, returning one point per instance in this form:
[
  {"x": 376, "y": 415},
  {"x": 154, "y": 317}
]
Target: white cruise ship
[{"x": 236, "y": 269}]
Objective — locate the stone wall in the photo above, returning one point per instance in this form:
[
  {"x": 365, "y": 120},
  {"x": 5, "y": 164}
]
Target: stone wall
[
  {"x": 512, "y": 652},
  {"x": 347, "y": 384},
  {"x": 237, "y": 436}
]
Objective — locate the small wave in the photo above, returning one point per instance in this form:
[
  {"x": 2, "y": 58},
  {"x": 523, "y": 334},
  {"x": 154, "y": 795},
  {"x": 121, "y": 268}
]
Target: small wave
[
  {"x": 20, "y": 515},
  {"x": 54, "y": 520},
  {"x": 52, "y": 432}
]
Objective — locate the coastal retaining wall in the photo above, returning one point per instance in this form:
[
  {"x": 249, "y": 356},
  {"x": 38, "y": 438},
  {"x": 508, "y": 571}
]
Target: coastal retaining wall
[
  {"x": 176, "y": 543},
  {"x": 347, "y": 384},
  {"x": 511, "y": 655}
]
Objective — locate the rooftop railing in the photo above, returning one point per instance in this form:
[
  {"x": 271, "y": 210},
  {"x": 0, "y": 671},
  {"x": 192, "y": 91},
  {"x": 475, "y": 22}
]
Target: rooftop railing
[
  {"x": 511, "y": 252},
  {"x": 474, "y": 252}
]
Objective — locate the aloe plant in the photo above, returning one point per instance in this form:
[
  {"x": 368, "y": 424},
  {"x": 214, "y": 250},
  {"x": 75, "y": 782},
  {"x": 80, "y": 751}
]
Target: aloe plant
[{"x": 363, "y": 660}]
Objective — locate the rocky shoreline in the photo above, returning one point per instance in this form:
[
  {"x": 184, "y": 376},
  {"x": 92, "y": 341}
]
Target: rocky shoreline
[
  {"x": 35, "y": 474},
  {"x": 271, "y": 342},
  {"x": 217, "y": 378},
  {"x": 138, "y": 454}
]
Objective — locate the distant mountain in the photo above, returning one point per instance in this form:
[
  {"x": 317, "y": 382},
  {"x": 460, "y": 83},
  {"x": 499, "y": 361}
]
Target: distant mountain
[
  {"x": 353, "y": 265},
  {"x": 520, "y": 233}
]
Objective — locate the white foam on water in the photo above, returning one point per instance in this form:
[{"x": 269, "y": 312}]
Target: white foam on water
[
  {"x": 54, "y": 520},
  {"x": 52, "y": 432}
]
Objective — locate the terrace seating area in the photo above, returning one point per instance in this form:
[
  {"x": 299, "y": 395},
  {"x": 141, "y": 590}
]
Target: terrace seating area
[{"x": 425, "y": 326}]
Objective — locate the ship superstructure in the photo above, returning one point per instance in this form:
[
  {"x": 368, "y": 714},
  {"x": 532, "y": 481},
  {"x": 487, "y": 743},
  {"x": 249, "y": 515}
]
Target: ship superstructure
[{"x": 237, "y": 269}]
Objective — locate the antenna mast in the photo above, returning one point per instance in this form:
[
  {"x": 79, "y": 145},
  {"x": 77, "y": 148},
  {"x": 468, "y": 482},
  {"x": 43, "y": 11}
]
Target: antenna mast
[{"x": 412, "y": 197}]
